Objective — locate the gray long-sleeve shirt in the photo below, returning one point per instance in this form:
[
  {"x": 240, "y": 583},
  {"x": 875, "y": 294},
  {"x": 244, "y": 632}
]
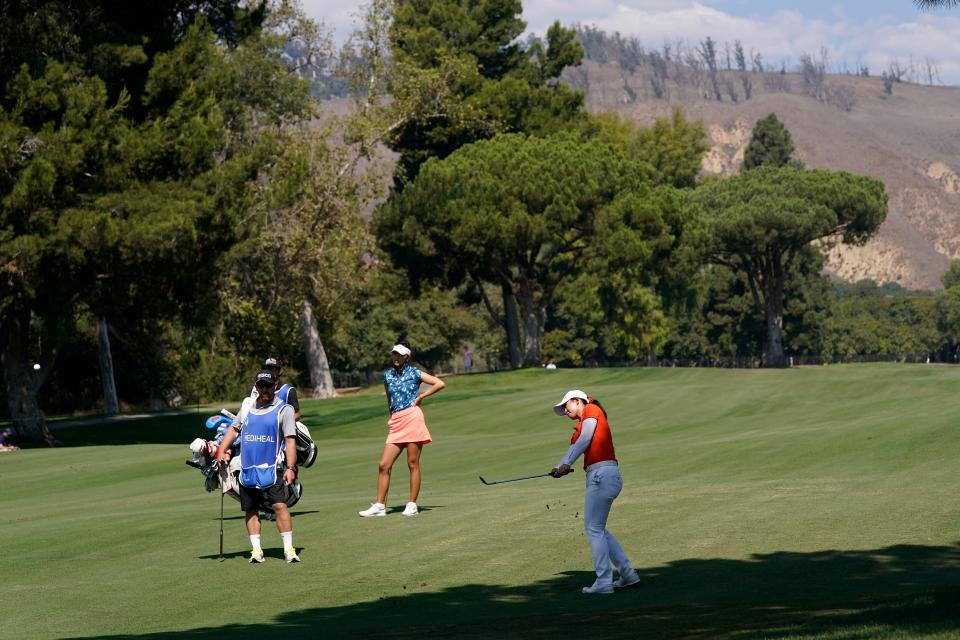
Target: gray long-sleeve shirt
[{"x": 578, "y": 448}]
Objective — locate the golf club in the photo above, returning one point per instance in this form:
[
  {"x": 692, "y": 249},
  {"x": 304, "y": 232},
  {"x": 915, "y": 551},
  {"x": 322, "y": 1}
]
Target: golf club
[
  {"x": 538, "y": 475},
  {"x": 221, "y": 514}
]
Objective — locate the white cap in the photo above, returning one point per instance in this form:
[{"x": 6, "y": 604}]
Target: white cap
[
  {"x": 402, "y": 350},
  {"x": 569, "y": 395}
]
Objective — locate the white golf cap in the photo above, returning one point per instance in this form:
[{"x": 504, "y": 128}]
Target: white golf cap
[
  {"x": 569, "y": 395},
  {"x": 402, "y": 350}
]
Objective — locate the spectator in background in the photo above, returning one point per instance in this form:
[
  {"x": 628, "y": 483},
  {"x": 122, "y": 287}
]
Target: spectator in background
[
  {"x": 5, "y": 444},
  {"x": 467, "y": 359}
]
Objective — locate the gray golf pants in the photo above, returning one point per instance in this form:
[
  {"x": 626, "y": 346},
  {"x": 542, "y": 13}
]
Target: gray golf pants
[{"x": 603, "y": 486}]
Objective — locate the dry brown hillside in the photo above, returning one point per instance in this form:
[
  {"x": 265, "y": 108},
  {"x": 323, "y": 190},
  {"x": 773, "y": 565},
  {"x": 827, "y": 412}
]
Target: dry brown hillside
[{"x": 910, "y": 140}]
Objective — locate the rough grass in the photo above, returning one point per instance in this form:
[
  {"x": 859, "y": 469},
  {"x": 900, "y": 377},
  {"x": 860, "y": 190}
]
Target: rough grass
[{"x": 808, "y": 503}]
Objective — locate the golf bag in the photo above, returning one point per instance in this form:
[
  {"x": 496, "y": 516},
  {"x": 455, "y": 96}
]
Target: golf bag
[
  {"x": 227, "y": 480},
  {"x": 306, "y": 448}
]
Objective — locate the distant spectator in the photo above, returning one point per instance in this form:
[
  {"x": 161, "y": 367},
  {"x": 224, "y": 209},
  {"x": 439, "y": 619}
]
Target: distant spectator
[
  {"x": 551, "y": 364},
  {"x": 467, "y": 359},
  {"x": 5, "y": 444}
]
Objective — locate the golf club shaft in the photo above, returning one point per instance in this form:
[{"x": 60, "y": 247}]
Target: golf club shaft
[
  {"x": 536, "y": 475},
  {"x": 221, "y": 521}
]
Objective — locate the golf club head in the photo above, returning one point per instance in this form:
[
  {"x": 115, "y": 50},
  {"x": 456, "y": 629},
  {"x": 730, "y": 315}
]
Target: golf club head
[{"x": 483, "y": 481}]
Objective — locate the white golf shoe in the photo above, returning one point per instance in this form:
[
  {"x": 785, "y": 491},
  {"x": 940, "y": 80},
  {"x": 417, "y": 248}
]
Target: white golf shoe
[
  {"x": 595, "y": 588},
  {"x": 290, "y": 555},
  {"x": 376, "y": 509},
  {"x": 256, "y": 556},
  {"x": 411, "y": 509},
  {"x": 627, "y": 579}
]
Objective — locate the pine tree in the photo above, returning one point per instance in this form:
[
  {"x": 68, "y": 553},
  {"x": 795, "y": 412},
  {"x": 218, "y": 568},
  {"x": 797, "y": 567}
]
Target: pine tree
[{"x": 770, "y": 145}]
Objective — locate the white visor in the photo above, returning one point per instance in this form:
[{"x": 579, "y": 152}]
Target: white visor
[
  {"x": 569, "y": 395},
  {"x": 402, "y": 350}
]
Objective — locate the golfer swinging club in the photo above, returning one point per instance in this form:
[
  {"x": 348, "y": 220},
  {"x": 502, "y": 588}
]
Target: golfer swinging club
[
  {"x": 408, "y": 428},
  {"x": 268, "y": 439},
  {"x": 592, "y": 439}
]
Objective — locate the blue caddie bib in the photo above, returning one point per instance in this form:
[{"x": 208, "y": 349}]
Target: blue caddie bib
[{"x": 262, "y": 444}]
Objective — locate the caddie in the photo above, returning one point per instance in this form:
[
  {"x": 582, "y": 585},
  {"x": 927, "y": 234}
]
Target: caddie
[{"x": 268, "y": 463}]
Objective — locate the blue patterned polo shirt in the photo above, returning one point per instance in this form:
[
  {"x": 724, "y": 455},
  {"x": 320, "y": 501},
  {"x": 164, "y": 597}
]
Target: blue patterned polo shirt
[{"x": 402, "y": 387}]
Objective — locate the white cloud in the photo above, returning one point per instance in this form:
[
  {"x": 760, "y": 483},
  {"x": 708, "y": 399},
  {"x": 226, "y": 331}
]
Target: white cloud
[
  {"x": 338, "y": 15},
  {"x": 783, "y": 35}
]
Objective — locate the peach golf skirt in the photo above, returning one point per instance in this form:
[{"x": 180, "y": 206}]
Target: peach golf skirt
[{"x": 408, "y": 425}]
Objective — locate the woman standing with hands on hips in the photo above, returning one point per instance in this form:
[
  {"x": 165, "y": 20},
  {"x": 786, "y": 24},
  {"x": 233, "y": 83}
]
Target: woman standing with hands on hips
[
  {"x": 592, "y": 439},
  {"x": 408, "y": 428}
]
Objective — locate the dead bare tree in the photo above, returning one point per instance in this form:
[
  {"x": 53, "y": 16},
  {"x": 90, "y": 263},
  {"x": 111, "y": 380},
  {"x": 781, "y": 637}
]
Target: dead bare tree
[
  {"x": 708, "y": 53},
  {"x": 813, "y": 72},
  {"x": 731, "y": 89},
  {"x": 658, "y": 75},
  {"x": 931, "y": 71},
  {"x": 777, "y": 82},
  {"x": 896, "y": 70},
  {"x": 740, "y": 56},
  {"x": 747, "y": 85},
  {"x": 842, "y": 97}
]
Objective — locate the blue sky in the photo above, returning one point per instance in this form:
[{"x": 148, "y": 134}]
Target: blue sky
[
  {"x": 902, "y": 10},
  {"x": 871, "y": 33}
]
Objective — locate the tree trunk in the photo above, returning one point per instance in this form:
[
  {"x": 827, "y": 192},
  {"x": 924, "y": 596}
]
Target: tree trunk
[
  {"x": 512, "y": 325},
  {"x": 111, "y": 404},
  {"x": 773, "y": 356},
  {"x": 321, "y": 380},
  {"x": 22, "y": 382},
  {"x": 533, "y": 320}
]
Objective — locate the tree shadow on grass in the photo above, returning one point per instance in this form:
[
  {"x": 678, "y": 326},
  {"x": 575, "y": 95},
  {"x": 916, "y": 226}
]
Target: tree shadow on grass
[
  {"x": 168, "y": 429},
  {"x": 183, "y": 427},
  {"x": 837, "y": 594}
]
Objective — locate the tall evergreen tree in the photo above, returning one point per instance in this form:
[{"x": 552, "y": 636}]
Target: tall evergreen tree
[
  {"x": 495, "y": 83},
  {"x": 124, "y": 168},
  {"x": 770, "y": 145}
]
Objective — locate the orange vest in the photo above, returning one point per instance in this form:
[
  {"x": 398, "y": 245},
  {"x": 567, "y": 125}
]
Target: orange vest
[{"x": 601, "y": 447}]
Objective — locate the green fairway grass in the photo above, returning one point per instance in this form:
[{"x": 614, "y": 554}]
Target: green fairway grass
[{"x": 813, "y": 502}]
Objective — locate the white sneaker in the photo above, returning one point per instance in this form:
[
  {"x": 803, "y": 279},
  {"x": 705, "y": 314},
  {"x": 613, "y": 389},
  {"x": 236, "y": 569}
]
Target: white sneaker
[
  {"x": 376, "y": 509},
  {"x": 290, "y": 555},
  {"x": 626, "y": 579},
  {"x": 256, "y": 556},
  {"x": 594, "y": 588},
  {"x": 411, "y": 509}
]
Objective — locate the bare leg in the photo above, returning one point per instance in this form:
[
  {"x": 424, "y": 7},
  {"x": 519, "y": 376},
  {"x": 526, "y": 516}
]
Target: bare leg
[
  {"x": 253, "y": 522},
  {"x": 390, "y": 454},
  {"x": 284, "y": 520},
  {"x": 414, "y": 449}
]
